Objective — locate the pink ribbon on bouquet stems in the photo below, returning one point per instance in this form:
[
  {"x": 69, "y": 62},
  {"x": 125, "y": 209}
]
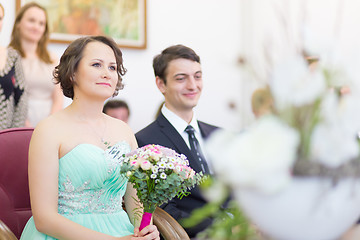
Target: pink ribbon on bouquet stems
[{"x": 145, "y": 221}]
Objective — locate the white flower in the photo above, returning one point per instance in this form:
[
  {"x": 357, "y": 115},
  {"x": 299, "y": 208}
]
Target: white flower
[
  {"x": 178, "y": 169},
  {"x": 343, "y": 68},
  {"x": 170, "y": 165},
  {"x": 333, "y": 141},
  {"x": 163, "y": 175},
  {"x": 292, "y": 83},
  {"x": 155, "y": 169},
  {"x": 261, "y": 157},
  {"x": 153, "y": 176},
  {"x": 343, "y": 112},
  {"x": 332, "y": 146},
  {"x": 145, "y": 165},
  {"x": 128, "y": 173},
  {"x": 216, "y": 192},
  {"x": 162, "y": 164}
]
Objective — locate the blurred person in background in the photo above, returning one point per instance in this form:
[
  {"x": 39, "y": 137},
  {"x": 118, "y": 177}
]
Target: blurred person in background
[
  {"x": 117, "y": 109},
  {"x": 262, "y": 102},
  {"x": 30, "y": 37},
  {"x": 13, "y": 108}
]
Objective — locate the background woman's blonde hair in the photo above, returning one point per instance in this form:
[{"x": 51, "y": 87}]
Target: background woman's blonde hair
[
  {"x": 2, "y": 7},
  {"x": 262, "y": 102},
  {"x": 15, "y": 42}
]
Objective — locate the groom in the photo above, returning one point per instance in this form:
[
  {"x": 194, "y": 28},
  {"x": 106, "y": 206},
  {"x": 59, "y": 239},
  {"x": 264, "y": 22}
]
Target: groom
[{"x": 179, "y": 78}]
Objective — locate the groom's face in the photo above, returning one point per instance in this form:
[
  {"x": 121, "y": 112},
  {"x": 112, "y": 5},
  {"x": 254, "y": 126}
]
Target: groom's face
[{"x": 183, "y": 85}]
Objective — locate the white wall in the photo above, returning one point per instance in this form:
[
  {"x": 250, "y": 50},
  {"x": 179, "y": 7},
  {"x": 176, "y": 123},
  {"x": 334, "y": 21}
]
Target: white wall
[
  {"x": 211, "y": 27},
  {"x": 275, "y": 26},
  {"x": 9, "y": 18},
  {"x": 220, "y": 32}
]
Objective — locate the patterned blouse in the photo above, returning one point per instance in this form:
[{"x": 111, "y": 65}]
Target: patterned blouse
[{"x": 13, "y": 104}]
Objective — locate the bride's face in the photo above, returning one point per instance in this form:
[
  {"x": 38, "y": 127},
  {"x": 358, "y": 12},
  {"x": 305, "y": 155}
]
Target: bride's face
[{"x": 96, "y": 75}]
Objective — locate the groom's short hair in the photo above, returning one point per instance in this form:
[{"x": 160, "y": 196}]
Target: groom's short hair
[{"x": 162, "y": 60}]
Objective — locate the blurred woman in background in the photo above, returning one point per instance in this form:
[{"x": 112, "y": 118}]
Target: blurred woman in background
[
  {"x": 30, "y": 37},
  {"x": 13, "y": 108}
]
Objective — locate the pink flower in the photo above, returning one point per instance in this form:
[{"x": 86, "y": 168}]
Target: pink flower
[
  {"x": 141, "y": 159},
  {"x": 191, "y": 174},
  {"x": 155, "y": 157},
  {"x": 146, "y": 165},
  {"x": 188, "y": 171},
  {"x": 178, "y": 169},
  {"x": 134, "y": 163}
]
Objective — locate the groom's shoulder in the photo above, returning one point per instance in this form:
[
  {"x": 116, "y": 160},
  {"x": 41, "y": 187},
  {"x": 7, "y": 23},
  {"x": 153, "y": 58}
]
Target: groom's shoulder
[
  {"x": 151, "y": 134},
  {"x": 207, "y": 129},
  {"x": 148, "y": 129},
  {"x": 151, "y": 129},
  {"x": 207, "y": 126}
]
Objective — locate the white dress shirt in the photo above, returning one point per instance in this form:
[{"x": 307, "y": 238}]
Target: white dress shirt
[{"x": 180, "y": 125}]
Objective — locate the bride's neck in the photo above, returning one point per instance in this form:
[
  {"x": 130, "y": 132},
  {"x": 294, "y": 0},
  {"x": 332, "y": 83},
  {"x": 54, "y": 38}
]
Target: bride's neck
[{"x": 87, "y": 110}]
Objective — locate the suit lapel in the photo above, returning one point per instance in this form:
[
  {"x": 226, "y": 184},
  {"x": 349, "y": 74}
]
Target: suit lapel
[
  {"x": 178, "y": 142},
  {"x": 205, "y": 129}
]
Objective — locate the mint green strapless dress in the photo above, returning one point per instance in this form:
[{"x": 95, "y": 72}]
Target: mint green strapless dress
[{"x": 91, "y": 191}]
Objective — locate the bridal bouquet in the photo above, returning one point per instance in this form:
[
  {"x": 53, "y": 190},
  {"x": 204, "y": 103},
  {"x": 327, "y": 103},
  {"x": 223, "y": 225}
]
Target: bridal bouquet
[{"x": 158, "y": 174}]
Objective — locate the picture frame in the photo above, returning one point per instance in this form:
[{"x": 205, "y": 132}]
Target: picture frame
[{"x": 123, "y": 20}]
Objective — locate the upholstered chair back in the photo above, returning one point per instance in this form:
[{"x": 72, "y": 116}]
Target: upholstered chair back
[{"x": 14, "y": 188}]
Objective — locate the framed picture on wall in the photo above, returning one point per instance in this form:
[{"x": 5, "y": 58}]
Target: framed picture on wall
[{"x": 123, "y": 20}]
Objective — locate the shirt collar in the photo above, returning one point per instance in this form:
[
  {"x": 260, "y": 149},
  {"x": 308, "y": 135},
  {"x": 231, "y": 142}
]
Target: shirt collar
[{"x": 178, "y": 123}]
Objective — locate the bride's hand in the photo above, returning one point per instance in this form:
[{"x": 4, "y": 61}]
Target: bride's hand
[{"x": 148, "y": 233}]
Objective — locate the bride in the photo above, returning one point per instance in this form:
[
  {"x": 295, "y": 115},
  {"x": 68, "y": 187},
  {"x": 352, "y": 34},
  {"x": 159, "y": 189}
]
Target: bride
[{"x": 75, "y": 188}]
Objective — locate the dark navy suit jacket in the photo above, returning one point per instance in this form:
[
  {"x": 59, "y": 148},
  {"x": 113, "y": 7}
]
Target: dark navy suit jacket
[{"x": 161, "y": 132}]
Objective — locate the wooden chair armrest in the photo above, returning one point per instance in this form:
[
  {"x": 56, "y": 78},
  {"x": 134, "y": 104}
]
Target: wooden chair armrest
[
  {"x": 6, "y": 233},
  {"x": 168, "y": 227}
]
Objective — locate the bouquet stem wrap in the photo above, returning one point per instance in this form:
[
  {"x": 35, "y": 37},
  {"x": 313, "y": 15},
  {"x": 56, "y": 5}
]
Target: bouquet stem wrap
[{"x": 145, "y": 221}]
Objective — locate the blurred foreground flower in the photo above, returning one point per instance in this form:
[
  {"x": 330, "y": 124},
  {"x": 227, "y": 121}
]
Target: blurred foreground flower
[
  {"x": 308, "y": 139},
  {"x": 261, "y": 157}
]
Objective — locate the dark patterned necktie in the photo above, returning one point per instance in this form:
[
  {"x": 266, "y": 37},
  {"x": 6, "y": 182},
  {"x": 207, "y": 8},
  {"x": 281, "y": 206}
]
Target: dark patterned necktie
[{"x": 196, "y": 150}]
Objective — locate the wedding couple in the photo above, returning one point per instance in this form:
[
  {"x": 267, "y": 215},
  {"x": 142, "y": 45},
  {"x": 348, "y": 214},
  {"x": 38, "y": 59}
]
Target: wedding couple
[{"x": 75, "y": 190}]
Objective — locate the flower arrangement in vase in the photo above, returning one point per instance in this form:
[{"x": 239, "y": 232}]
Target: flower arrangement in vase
[{"x": 295, "y": 171}]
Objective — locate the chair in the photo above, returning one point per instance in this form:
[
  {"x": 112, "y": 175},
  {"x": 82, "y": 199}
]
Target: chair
[
  {"x": 14, "y": 188},
  {"x": 15, "y": 208},
  {"x": 168, "y": 226},
  {"x": 5, "y": 232}
]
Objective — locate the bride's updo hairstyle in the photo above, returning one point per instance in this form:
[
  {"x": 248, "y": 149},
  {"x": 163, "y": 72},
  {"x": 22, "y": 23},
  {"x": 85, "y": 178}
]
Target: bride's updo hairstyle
[{"x": 73, "y": 54}]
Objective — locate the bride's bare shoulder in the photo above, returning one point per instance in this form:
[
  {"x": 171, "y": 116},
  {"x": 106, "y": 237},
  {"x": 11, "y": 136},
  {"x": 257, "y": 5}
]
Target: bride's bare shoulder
[
  {"x": 120, "y": 130},
  {"x": 54, "y": 124},
  {"x": 117, "y": 123}
]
